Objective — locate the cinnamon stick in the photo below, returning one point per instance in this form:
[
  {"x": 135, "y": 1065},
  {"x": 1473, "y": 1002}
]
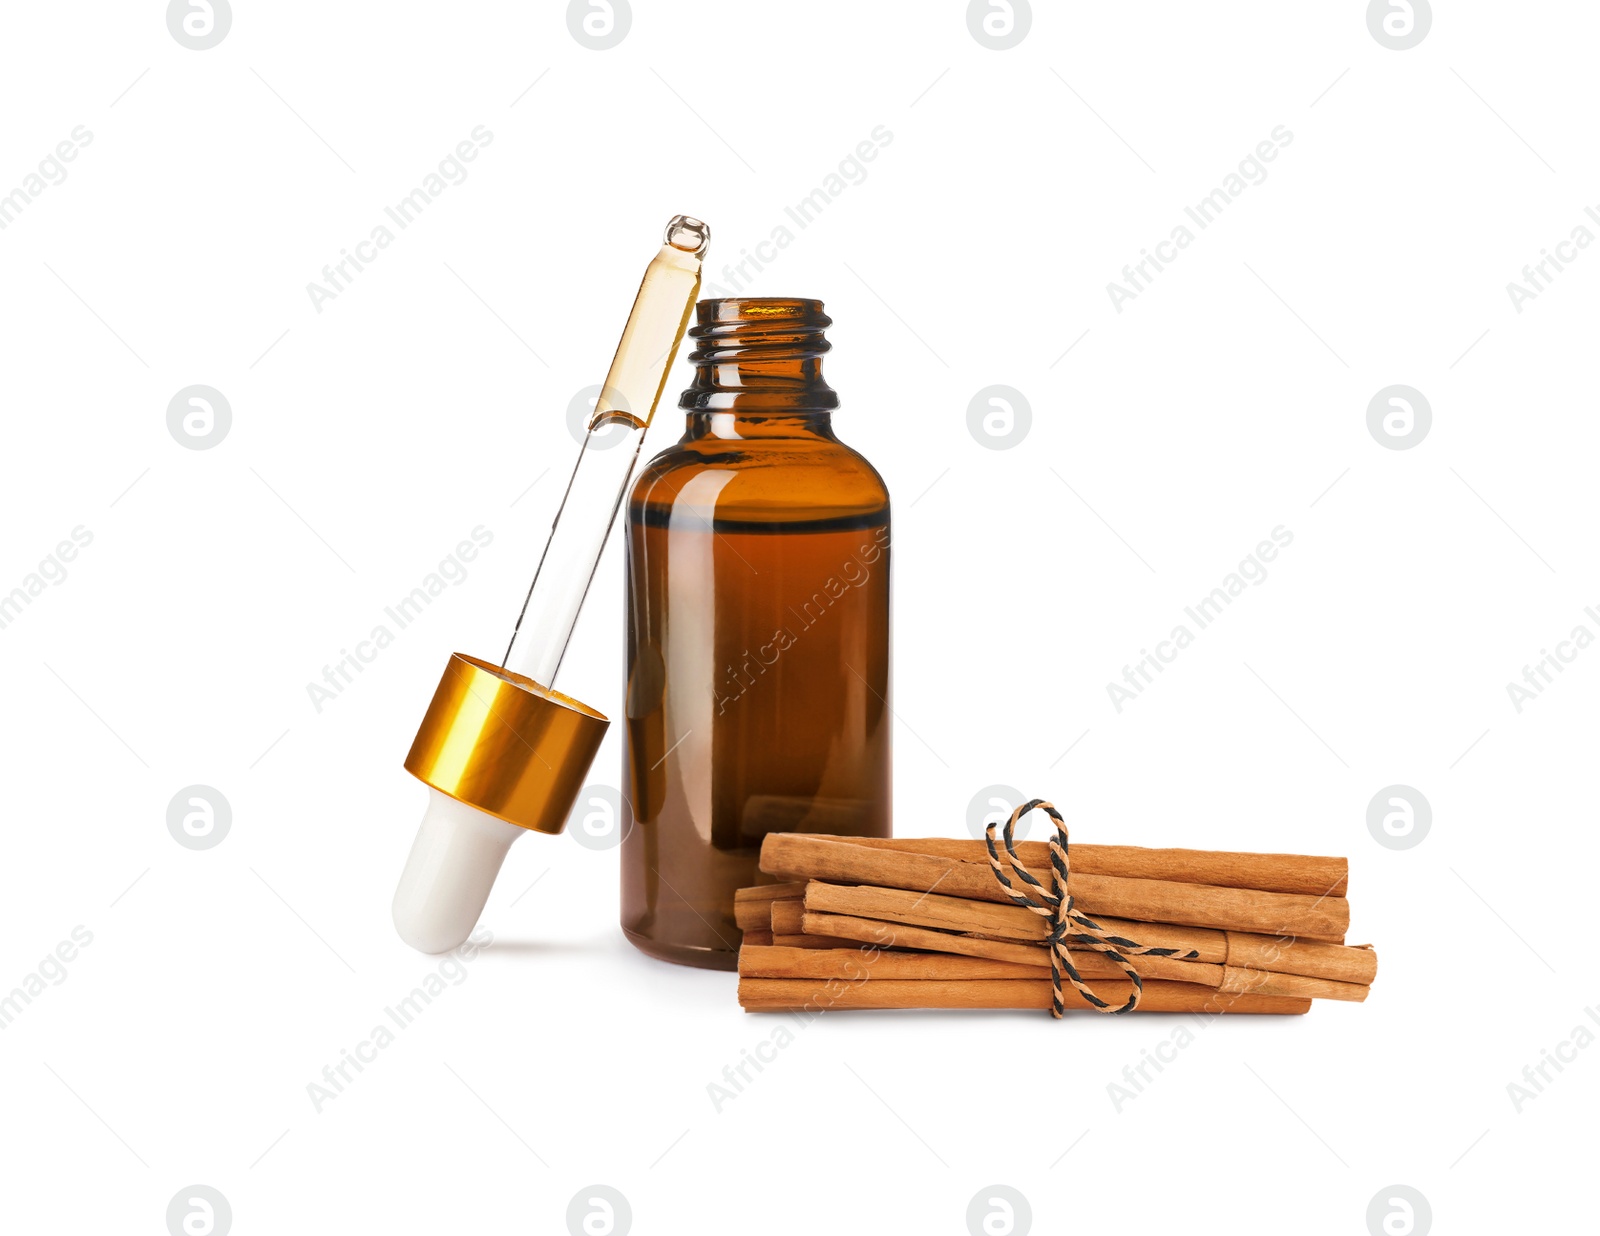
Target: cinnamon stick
[
  {"x": 811, "y": 941},
  {"x": 901, "y": 935},
  {"x": 1311, "y": 874},
  {"x": 927, "y": 910},
  {"x": 788, "y": 928},
  {"x": 1269, "y": 983},
  {"x": 855, "y": 963},
  {"x": 786, "y": 916},
  {"x": 1091, "y": 966},
  {"x": 969, "y": 918},
  {"x": 774, "y": 995},
  {"x": 1345, "y": 963},
  {"x": 753, "y": 915},
  {"x": 953, "y": 914},
  {"x": 793, "y": 856},
  {"x": 752, "y": 907},
  {"x": 767, "y": 892}
]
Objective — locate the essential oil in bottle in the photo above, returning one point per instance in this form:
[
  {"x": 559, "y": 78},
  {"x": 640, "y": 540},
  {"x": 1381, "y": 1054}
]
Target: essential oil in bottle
[{"x": 757, "y": 631}]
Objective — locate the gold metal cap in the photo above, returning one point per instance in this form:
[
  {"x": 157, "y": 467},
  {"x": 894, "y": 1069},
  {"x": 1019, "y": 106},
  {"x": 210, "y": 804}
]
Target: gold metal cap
[{"x": 502, "y": 743}]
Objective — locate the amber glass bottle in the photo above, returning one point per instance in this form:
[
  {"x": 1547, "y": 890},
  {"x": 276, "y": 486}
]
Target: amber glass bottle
[{"x": 758, "y": 631}]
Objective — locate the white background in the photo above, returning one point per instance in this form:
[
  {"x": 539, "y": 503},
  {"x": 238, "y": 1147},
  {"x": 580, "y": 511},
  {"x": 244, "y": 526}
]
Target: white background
[{"x": 430, "y": 397}]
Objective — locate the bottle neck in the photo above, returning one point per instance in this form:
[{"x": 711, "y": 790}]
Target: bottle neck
[{"x": 758, "y": 370}]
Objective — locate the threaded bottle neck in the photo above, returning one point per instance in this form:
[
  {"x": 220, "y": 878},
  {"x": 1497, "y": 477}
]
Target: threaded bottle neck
[{"x": 759, "y": 357}]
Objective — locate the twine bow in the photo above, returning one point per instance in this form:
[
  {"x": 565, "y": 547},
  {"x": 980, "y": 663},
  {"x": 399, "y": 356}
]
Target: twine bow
[{"x": 1067, "y": 925}]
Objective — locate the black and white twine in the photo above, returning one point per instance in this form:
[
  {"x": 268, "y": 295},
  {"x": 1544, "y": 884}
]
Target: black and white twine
[{"x": 1068, "y": 927}]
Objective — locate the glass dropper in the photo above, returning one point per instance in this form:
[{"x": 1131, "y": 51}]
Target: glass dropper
[
  {"x": 501, "y": 752},
  {"x": 610, "y": 449}
]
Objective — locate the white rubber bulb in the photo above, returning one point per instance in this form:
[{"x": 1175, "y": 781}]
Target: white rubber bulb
[{"x": 452, "y": 867}]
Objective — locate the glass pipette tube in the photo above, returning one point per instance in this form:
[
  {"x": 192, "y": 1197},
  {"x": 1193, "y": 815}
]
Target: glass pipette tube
[{"x": 610, "y": 448}]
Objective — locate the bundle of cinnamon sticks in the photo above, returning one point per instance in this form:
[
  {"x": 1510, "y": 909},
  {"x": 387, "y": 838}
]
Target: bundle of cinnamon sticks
[{"x": 896, "y": 923}]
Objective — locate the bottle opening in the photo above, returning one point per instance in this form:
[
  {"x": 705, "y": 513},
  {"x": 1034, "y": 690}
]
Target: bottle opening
[
  {"x": 792, "y": 311},
  {"x": 759, "y": 355},
  {"x": 757, "y": 330}
]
